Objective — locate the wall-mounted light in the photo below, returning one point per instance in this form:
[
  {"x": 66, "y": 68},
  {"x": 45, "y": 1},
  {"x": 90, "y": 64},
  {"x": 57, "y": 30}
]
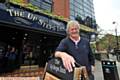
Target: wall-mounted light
[
  {"x": 25, "y": 38},
  {"x": 26, "y": 34}
]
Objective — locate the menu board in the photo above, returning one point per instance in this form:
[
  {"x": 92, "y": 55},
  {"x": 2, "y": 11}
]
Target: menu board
[{"x": 55, "y": 70}]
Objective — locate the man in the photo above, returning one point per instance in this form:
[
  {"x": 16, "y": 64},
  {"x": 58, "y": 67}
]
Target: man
[{"x": 75, "y": 49}]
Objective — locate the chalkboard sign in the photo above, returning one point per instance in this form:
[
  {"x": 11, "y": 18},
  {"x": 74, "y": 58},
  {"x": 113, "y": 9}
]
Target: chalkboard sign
[{"x": 55, "y": 68}]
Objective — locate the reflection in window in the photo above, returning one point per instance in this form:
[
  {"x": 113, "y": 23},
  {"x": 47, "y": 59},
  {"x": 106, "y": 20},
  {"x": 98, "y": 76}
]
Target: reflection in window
[{"x": 42, "y": 4}]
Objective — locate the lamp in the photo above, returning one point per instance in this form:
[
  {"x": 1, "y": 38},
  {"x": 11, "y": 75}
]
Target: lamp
[{"x": 117, "y": 42}]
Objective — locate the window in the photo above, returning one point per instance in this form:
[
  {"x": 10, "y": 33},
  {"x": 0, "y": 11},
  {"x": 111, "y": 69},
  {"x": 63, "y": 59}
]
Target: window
[
  {"x": 81, "y": 11},
  {"x": 35, "y": 3},
  {"x": 72, "y": 7},
  {"x": 72, "y": 12},
  {"x": 43, "y": 4},
  {"x": 71, "y": 1},
  {"x": 46, "y": 6},
  {"x": 85, "y": 0},
  {"x": 48, "y": 1},
  {"x": 36, "y": 0}
]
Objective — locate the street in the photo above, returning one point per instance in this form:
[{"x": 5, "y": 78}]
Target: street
[{"x": 98, "y": 69}]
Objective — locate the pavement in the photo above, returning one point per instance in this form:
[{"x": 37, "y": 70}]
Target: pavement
[{"x": 98, "y": 69}]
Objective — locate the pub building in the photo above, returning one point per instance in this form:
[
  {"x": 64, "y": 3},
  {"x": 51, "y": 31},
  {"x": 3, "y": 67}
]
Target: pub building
[{"x": 34, "y": 35}]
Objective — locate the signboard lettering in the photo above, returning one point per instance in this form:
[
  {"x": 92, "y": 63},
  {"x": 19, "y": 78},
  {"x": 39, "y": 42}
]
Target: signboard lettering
[{"x": 28, "y": 18}]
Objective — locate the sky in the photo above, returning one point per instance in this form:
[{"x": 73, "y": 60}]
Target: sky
[{"x": 106, "y": 12}]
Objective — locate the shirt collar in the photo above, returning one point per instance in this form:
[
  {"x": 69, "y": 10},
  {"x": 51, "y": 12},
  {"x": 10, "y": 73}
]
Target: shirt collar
[{"x": 75, "y": 41}]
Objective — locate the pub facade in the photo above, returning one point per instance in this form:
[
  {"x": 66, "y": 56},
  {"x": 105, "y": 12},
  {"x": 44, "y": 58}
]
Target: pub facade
[{"x": 33, "y": 34}]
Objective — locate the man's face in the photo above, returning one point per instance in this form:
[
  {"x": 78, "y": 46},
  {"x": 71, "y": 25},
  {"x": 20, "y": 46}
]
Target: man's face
[{"x": 73, "y": 31}]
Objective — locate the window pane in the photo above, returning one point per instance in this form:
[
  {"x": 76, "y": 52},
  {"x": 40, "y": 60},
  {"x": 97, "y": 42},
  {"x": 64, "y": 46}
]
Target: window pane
[
  {"x": 46, "y": 6},
  {"x": 48, "y": 1},
  {"x": 71, "y": 12}
]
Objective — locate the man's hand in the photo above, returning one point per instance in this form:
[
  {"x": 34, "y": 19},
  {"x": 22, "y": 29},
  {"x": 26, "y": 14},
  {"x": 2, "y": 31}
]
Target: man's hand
[{"x": 68, "y": 61}]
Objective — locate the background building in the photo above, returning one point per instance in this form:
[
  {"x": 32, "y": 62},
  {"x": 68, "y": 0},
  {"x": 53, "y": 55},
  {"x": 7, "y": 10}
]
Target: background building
[
  {"x": 71, "y": 8},
  {"x": 80, "y": 10}
]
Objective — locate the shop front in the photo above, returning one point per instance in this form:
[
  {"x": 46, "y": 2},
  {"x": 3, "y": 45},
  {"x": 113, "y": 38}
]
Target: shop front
[{"x": 33, "y": 35}]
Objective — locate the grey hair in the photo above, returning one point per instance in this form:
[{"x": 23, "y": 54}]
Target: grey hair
[{"x": 70, "y": 23}]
